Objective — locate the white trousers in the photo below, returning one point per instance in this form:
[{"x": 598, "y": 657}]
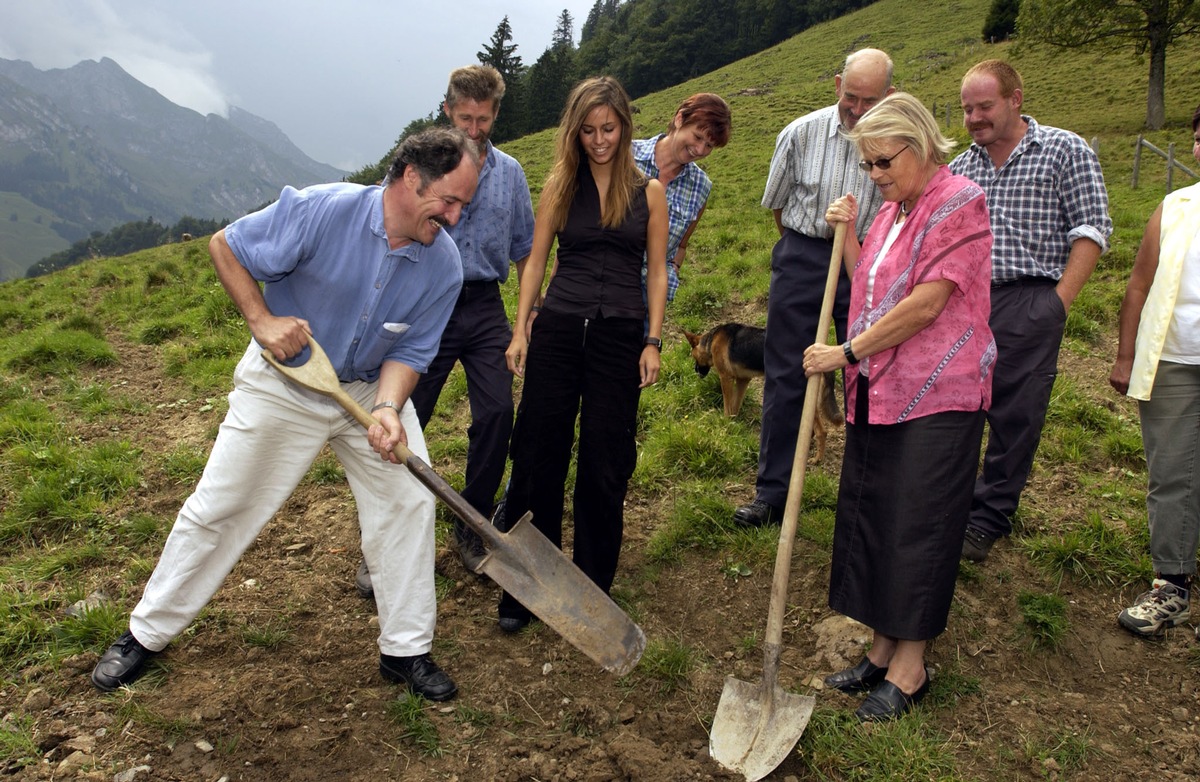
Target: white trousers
[{"x": 266, "y": 444}]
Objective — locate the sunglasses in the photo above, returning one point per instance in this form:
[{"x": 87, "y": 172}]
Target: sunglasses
[{"x": 883, "y": 163}]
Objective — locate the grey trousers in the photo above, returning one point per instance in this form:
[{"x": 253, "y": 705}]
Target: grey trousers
[{"x": 1171, "y": 437}]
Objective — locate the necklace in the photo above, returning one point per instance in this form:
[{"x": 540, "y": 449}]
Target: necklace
[{"x": 903, "y": 209}]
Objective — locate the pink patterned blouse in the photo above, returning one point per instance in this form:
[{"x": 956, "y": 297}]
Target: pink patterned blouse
[{"x": 947, "y": 365}]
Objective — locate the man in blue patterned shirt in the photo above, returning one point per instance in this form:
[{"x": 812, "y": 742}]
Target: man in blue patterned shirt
[
  {"x": 1050, "y": 223},
  {"x": 495, "y": 230}
]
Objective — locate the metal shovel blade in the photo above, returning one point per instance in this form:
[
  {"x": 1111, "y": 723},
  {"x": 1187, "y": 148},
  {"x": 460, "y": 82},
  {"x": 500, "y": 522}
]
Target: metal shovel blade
[
  {"x": 522, "y": 561},
  {"x": 554, "y": 589},
  {"x": 759, "y": 725}
]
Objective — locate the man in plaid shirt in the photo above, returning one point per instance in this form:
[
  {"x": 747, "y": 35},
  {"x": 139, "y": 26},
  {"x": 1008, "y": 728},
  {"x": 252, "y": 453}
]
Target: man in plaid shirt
[{"x": 1049, "y": 217}]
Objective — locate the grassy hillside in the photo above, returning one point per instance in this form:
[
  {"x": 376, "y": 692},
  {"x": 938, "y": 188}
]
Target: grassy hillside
[
  {"x": 26, "y": 234},
  {"x": 113, "y": 381}
]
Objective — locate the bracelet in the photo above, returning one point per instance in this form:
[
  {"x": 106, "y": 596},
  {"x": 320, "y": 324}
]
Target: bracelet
[
  {"x": 849, "y": 353},
  {"x": 395, "y": 407},
  {"x": 537, "y": 307}
]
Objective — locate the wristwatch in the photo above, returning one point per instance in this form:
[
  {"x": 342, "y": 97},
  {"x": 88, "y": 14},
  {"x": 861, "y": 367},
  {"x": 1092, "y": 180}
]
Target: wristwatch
[{"x": 654, "y": 341}]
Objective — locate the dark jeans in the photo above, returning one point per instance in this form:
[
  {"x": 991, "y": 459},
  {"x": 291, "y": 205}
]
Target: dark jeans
[
  {"x": 585, "y": 368},
  {"x": 477, "y": 335},
  {"x": 1027, "y": 320},
  {"x": 799, "y": 267}
]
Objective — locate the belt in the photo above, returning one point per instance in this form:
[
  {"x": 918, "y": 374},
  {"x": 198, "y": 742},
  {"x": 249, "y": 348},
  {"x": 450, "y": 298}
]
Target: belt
[{"x": 1025, "y": 281}]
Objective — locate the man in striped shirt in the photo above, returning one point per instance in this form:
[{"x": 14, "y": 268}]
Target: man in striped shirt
[
  {"x": 1049, "y": 215},
  {"x": 814, "y": 163}
]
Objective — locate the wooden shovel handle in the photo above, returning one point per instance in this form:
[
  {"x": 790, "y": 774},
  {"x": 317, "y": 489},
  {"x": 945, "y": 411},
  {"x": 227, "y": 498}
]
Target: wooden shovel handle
[{"x": 791, "y": 512}]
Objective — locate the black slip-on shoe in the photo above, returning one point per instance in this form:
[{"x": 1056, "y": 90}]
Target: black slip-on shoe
[
  {"x": 420, "y": 674},
  {"x": 860, "y": 678},
  {"x": 121, "y": 663},
  {"x": 887, "y": 701}
]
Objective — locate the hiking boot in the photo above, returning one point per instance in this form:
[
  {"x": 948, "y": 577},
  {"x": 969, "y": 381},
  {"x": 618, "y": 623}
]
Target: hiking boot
[
  {"x": 757, "y": 514},
  {"x": 362, "y": 581},
  {"x": 470, "y": 546},
  {"x": 1165, "y": 605},
  {"x": 977, "y": 544}
]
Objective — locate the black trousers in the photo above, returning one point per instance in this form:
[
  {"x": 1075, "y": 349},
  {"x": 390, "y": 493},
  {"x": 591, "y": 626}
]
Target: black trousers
[
  {"x": 477, "y": 335},
  {"x": 586, "y": 369},
  {"x": 799, "y": 266},
  {"x": 1028, "y": 321}
]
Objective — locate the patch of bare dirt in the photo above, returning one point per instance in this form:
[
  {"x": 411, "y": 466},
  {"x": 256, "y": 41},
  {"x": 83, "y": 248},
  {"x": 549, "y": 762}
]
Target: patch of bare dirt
[{"x": 530, "y": 706}]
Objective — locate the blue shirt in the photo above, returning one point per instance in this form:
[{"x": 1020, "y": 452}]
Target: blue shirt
[
  {"x": 324, "y": 256},
  {"x": 1048, "y": 193},
  {"x": 497, "y": 226}
]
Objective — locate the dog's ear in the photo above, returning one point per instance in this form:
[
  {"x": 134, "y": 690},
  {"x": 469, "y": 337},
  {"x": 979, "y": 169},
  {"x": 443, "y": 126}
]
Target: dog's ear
[{"x": 692, "y": 339}]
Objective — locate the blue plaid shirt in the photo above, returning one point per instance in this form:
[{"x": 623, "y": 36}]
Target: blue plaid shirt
[
  {"x": 686, "y": 196},
  {"x": 1048, "y": 193}
]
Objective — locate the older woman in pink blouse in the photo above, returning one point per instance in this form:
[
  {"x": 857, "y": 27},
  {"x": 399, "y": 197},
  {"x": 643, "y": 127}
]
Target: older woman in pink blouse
[{"x": 918, "y": 380}]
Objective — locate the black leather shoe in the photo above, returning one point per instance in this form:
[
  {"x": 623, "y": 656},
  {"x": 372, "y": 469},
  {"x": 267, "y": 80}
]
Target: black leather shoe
[
  {"x": 887, "y": 701},
  {"x": 860, "y": 678},
  {"x": 121, "y": 664},
  {"x": 514, "y": 624},
  {"x": 362, "y": 582},
  {"x": 757, "y": 514},
  {"x": 420, "y": 673},
  {"x": 977, "y": 544}
]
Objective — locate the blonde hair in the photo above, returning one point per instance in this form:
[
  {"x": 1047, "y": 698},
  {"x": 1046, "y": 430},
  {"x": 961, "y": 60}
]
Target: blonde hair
[
  {"x": 562, "y": 182},
  {"x": 901, "y": 117}
]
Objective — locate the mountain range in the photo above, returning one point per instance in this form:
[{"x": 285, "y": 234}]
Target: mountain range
[{"x": 89, "y": 147}]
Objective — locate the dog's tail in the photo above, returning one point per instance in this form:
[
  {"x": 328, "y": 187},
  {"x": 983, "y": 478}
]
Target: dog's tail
[{"x": 830, "y": 408}]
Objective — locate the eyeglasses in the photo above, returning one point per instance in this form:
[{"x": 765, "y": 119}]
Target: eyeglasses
[{"x": 883, "y": 163}]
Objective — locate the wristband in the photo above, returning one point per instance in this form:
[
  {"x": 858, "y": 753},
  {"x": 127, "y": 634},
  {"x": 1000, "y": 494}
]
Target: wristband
[
  {"x": 389, "y": 403},
  {"x": 849, "y": 353},
  {"x": 537, "y": 307}
]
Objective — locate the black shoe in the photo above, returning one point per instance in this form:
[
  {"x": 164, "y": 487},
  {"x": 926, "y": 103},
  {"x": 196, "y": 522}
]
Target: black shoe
[
  {"x": 757, "y": 514},
  {"x": 121, "y": 664},
  {"x": 860, "y": 678},
  {"x": 887, "y": 701},
  {"x": 362, "y": 582},
  {"x": 470, "y": 546},
  {"x": 513, "y": 624},
  {"x": 420, "y": 673},
  {"x": 977, "y": 544},
  {"x": 499, "y": 517}
]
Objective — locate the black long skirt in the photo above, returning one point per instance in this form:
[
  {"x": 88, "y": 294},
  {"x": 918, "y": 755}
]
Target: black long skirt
[{"x": 902, "y": 509}]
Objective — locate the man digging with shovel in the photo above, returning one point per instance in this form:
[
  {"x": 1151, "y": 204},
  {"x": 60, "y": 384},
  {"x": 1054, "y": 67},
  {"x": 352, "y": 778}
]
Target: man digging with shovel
[{"x": 371, "y": 273}]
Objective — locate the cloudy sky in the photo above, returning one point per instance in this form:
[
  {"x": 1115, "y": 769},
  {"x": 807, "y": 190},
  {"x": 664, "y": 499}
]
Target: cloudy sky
[{"x": 341, "y": 79}]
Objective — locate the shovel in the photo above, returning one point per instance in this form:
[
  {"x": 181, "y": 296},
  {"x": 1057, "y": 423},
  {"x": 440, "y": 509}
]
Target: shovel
[
  {"x": 756, "y": 725},
  {"x": 523, "y": 561}
]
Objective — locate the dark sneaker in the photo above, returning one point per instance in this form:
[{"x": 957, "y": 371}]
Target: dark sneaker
[
  {"x": 121, "y": 664},
  {"x": 420, "y": 674},
  {"x": 977, "y": 544},
  {"x": 362, "y": 581},
  {"x": 757, "y": 514},
  {"x": 1165, "y": 605}
]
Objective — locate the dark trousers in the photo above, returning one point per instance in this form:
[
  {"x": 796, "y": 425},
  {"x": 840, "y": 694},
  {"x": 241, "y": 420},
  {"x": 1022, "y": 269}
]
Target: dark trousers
[
  {"x": 799, "y": 267},
  {"x": 588, "y": 369},
  {"x": 477, "y": 335},
  {"x": 1027, "y": 320}
]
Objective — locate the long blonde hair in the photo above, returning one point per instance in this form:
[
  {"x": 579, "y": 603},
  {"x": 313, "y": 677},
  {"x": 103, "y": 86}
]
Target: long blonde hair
[{"x": 562, "y": 182}]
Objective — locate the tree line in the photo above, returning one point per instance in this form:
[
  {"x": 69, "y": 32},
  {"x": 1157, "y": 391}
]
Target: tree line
[
  {"x": 646, "y": 44},
  {"x": 124, "y": 239}
]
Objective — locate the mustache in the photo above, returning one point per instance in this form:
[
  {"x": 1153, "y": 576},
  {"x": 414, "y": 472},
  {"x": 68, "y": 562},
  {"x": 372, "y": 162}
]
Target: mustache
[{"x": 442, "y": 221}]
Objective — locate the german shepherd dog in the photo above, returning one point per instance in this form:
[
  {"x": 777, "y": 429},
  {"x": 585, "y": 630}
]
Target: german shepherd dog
[{"x": 736, "y": 352}]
